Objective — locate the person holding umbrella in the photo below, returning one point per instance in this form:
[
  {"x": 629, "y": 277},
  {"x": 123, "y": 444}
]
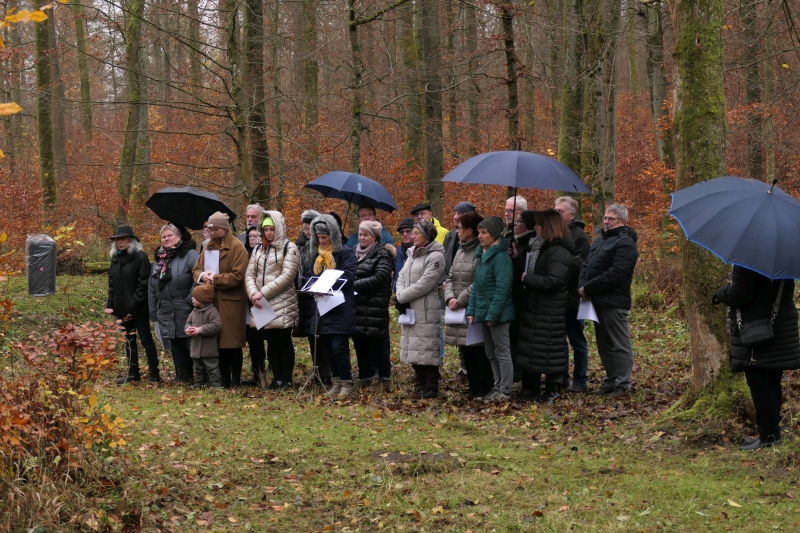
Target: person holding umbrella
[
  {"x": 128, "y": 276},
  {"x": 367, "y": 212},
  {"x": 230, "y": 297},
  {"x": 169, "y": 291}
]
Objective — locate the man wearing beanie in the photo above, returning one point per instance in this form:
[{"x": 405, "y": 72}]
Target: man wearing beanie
[
  {"x": 230, "y": 297},
  {"x": 203, "y": 326},
  {"x": 367, "y": 212},
  {"x": 405, "y": 229}
]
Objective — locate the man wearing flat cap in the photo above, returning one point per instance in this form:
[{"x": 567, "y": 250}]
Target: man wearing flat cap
[{"x": 424, "y": 211}]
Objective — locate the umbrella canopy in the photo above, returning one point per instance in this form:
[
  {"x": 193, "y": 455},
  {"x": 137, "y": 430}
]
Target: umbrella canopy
[
  {"x": 744, "y": 222},
  {"x": 354, "y": 188},
  {"x": 519, "y": 170},
  {"x": 187, "y": 206}
]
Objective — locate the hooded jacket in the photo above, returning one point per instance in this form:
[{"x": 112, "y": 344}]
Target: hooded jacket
[
  {"x": 127, "y": 280},
  {"x": 272, "y": 271},
  {"x": 204, "y": 344},
  {"x": 607, "y": 273},
  {"x": 541, "y": 347},
  {"x": 170, "y": 306},
  {"x": 418, "y": 285},
  {"x": 230, "y": 298},
  {"x": 342, "y": 319},
  {"x": 459, "y": 286},
  {"x": 490, "y": 300},
  {"x": 374, "y": 288}
]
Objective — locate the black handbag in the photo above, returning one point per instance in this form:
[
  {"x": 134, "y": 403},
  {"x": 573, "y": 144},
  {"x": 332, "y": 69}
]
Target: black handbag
[{"x": 758, "y": 331}]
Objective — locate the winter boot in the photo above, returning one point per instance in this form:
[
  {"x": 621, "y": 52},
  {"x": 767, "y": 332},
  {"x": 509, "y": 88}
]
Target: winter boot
[
  {"x": 131, "y": 376},
  {"x": 336, "y": 386},
  {"x": 385, "y": 385},
  {"x": 183, "y": 374},
  {"x": 552, "y": 392},
  {"x": 346, "y": 388},
  {"x": 153, "y": 375}
]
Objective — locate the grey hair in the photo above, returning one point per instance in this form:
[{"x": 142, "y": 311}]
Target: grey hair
[
  {"x": 520, "y": 202},
  {"x": 620, "y": 210},
  {"x": 255, "y": 206},
  {"x": 572, "y": 204},
  {"x": 170, "y": 227}
]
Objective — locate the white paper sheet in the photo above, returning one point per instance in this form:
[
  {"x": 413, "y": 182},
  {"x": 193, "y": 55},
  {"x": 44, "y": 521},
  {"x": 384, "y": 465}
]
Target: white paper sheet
[
  {"x": 326, "y": 303},
  {"x": 527, "y": 261},
  {"x": 407, "y": 319},
  {"x": 459, "y": 316},
  {"x": 475, "y": 334},
  {"x": 211, "y": 261},
  {"x": 586, "y": 311},
  {"x": 326, "y": 281},
  {"x": 262, "y": 316}
]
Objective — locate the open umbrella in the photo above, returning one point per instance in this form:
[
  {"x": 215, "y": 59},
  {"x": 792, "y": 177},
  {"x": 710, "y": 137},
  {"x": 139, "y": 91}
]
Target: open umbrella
[
  {"x": 354, "y": 188},
  {"x": 187, "y": 206},
  {"x": 744, "y": 222}
]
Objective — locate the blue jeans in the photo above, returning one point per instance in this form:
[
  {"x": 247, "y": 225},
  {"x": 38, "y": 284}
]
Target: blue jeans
[
  {"x": 339, "y": 353},
  {"x": 580, "y": 350}
]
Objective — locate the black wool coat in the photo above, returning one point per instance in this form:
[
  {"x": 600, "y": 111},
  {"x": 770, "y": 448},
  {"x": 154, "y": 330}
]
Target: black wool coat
[
  {"x": 128, "y": 276},
  {"x": 541, "y": 347},
  {"x": 582, "y": 246},
  {"x": 374, "y": 288},
  {"x": 755, "y": 295},
  {"x": 607, "y": 273}
]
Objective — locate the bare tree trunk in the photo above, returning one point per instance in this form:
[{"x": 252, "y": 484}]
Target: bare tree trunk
[
  {"x": 310, "y": 76},
  {"x": 276, "y": 96},
  {"x": 657, "y": 80},
  {"x": 195, "y": 57},
  {"x": 452, "y": 89},
  {"x": 471, "y": 45},
  {"x": 47, "y": 171},
  {"x": 569, "y": 135},
  {"x": 140, "y": 185},
  {"x": 507, "y": 18},
  {"x": 13, "y": 93},
  {"x": 238, "y": 111},
  {"x": 432, "y": 61},
  {"x": 633, "y": 52},
  {"x": 257, "y": 121},
  {"x": 57, "y": 100},
  {"x": 83, "y": 67},
  {"x": 752, "y": 89},
  {"x": 357, "y": 70},
  {"x": 770, "y": 135},
  {"x": 412, "y": 105}
]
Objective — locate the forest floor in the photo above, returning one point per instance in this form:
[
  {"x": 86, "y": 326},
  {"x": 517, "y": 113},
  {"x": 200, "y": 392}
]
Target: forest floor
[{"x": 249, "y": 460}]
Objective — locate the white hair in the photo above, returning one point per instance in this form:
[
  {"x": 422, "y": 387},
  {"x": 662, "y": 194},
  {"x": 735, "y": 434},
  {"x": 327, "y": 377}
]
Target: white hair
[
  {"x": 521, "y": 203},
  {"x": 620, "y": 210},
  {"x": 570, "y": 202},
  {"x": 255, "y": 206}
]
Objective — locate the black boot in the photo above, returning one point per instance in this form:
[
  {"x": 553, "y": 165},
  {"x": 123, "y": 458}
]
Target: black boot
[
  {"x": 183, "y": 374},
  {"x": 552, "y": 392},
  {"x": 132, "y": 376},
  {"x": 153, "y": 375}
]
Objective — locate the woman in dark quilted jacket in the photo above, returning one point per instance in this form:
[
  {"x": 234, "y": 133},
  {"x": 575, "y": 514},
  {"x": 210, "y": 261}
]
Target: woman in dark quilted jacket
[
  {"x": 373, "y": 288},
  {"x": 751, "y": 296}
]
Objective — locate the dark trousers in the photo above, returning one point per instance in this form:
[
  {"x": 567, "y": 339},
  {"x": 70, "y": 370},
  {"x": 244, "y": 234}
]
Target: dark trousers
[
  {"x": 338, "y": 347},
  {"x": 427, "y": 377},
  {"x": 322, "y": 358},
  {"x": 230, "y": 366},
  {"x": 140, "y": 326},
  {"x": 181, "y": 352},
  {"x": 206, "y": 371},
  {"x": 765, "y": 387},
  {"x": 373, "y": 359},
  {"x": 580, "y": 350},
  {"x": 255, "y": 344},
  {"x": 479, "y": 370},
  {"x": 280, "y": 352}
]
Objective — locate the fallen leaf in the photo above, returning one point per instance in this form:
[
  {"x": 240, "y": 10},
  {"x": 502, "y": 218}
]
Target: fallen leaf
[
  {"x": 232, "y": 520},
  {"x": 437, "y": 510},
  {"x": 733, "y": 503}
]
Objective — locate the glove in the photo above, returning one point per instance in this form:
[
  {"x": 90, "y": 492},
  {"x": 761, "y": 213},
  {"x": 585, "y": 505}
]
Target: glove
[{"x": 402, "y": 308}]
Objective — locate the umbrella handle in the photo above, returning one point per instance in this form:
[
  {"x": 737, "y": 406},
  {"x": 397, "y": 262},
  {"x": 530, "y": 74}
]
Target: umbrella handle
[{"x": 774, "y": 182}]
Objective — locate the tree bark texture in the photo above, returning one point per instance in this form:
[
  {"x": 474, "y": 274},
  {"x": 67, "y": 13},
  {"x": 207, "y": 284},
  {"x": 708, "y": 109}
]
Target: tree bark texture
[
  {"x": 277, "y": 96},
  {"x": 473, "y": 90},
  {"x": 58, "y": 98},
  {"x": 432, "y": 80},
  {"x": 569, "y": 135},
  {"x": 656, "y": 79},
  {"x": 752, "y": 89},
  {"x": 412, "y": 104},
  {"x": 512, "y": 87},
  {"x": 357, "y": 71},
  {"x": 238, "y": 111},
  {"x": 83, "y": 67},
  {"x": 257, "y": 120},
  {"x": 47, "y": 171}
]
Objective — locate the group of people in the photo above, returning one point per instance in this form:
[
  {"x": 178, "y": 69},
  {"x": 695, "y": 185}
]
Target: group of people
[{"x": 507, "y": 288}]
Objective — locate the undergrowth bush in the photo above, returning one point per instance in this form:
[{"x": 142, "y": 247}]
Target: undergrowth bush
[
  {"x": 657, "y": 282},
  {"x": 57, "y": 439}
]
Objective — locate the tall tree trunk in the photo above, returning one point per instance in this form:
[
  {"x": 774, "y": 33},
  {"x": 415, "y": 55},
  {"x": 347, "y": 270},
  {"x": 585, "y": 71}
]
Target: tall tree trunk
[
  {"x": 432, "y": 82},
  {"x": 471, "y": 45},
  {"x": 656, "y": 79},
  {"x": 699, "y": 137},
  {"x": 752, "y": 89},
  {"x": 569, "y": 135},
  {"x": 133, "y": 33},
  {"x": 507, "y": 19},
  {"x": 308, "y": 49},
  {"x": 47, "y": 171},
  {"x": 357, "y": 70},
  {"x": 633, "y": 52},
  {"x": 238, "y": 111},
  {"x": 83, "y": 67},
  {"x": 140, "y": 184},
  {"x": 412, "y": 105},
  {"x": 13, "y": 93},
  {"x": 195, "y": 58},
  {"x": 452, "y": 83},
  {"x": 770, "y": 135},
  {"x": 57, "y": 101},
  {"x": 257, "y": 120},
  {"x": 277, "y": 96}
]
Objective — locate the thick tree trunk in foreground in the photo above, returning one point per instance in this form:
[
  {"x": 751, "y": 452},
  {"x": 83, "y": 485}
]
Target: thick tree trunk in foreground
[
  {"x": 257, "y": 121},
  {"x": 569, "y": 135},
  {"x": 47, "y": 171},
  {"x": 432, "y": 83},
  {"x": 58, "y": 98}
]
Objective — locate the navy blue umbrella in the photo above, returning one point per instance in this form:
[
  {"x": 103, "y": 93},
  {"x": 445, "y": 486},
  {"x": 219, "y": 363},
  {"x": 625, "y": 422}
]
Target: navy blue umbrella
[
  {"x": 354, "y": 188},
  {"x": 519, "y": 170},
  {"x": 744, "y": 222},
  {"x": 187, "y": 206}
]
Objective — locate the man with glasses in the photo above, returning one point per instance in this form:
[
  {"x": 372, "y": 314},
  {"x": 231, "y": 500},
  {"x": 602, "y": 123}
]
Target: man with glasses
[
  {"x": 367, "y": 212},
  {"x": 605, "y": 279},
  {"x": 512, "y": 214},
  {"x": 405, "y": 228}
]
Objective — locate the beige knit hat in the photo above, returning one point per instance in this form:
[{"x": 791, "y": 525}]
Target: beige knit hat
[
  {"x": 372, "y": 226},
  {"x": 219, "y": 220}
]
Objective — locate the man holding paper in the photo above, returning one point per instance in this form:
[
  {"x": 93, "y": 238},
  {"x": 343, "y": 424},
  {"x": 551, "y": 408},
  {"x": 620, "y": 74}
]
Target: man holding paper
[
  {"x": 605, "y": 279},
  {"x": 223, "y": 264}
]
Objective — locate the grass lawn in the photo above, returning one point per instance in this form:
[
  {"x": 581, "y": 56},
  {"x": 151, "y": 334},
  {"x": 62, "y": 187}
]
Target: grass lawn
[{"x": 249, "y": 460}]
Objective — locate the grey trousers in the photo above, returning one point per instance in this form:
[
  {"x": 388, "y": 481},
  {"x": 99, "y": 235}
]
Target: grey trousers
[
  {"x": 614, "y": 346},
  {"x": 497, "y": 343},
  {"x": 206, "y": 371}
]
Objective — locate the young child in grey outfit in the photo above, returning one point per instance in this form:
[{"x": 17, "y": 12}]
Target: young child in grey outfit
[{"x": 203, "y": 326}]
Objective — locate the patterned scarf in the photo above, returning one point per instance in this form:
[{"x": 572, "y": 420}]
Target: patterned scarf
[
  {"x": 162, "y": 271},
  {"x": 535, "y": 248},
  {"x": 324, "y": 260}
]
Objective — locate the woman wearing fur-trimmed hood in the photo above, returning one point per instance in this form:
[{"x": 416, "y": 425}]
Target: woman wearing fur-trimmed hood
[{"x": 335, "y": 327}]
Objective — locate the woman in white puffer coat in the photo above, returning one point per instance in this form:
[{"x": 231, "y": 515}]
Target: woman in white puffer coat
[{"x": 271, "y": 274}]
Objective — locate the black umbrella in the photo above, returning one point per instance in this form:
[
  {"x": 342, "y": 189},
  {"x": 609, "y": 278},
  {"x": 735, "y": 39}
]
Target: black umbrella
[{"x": 187, "y": 206}]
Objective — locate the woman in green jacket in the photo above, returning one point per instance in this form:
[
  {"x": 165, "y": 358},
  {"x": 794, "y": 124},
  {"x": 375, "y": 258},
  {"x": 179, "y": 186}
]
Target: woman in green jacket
[{"x": 491, "y": 305}]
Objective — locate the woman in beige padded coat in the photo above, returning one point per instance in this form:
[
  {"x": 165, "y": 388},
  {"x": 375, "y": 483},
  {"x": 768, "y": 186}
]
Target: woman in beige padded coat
[{"x": 271, "y": 274}]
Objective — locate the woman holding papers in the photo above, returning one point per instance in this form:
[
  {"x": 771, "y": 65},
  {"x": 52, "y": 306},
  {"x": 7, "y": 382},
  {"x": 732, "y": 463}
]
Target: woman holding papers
[
  {"x": 418, "y": 291},
  {"x": 223, "y": 263},
  {"x": 373, "y": 289},
  {"x": 336, "y": 325},
  {"x": 169, "y": 298},
  {"x": 542, "y": 347},
  {"x": 457, "y": 289},
  {"x": 270, "y": 283}
]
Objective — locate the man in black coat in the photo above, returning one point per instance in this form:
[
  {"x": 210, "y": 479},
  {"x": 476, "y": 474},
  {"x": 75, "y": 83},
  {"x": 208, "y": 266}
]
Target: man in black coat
[
  {"x": 567, "y": 207},
  {"x": 605, "y": 279}
]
